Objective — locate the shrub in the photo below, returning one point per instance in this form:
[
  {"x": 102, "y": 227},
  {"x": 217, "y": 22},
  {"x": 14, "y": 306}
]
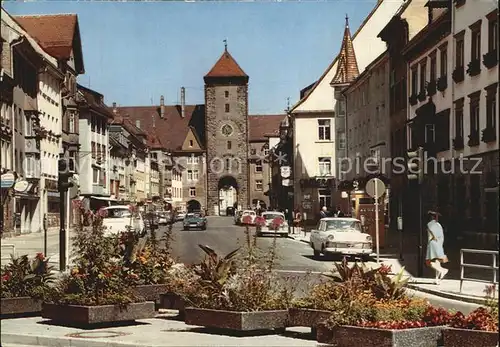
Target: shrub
[
  {"x": 480, "y": 319},
  {"x": 27, "y": 277}
]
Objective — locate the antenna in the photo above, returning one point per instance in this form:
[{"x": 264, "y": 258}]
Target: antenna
[
  {"x": 346, "y": 20},
  {"x": 288, "y": 104}
]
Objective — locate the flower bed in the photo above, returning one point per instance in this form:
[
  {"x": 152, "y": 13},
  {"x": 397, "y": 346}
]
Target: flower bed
[
  {"x": 172, "y": 301},
  {"x": 150, "y": 292},
  {"x": 25, "y": 283},
  {"x": 89, "y": 315}
]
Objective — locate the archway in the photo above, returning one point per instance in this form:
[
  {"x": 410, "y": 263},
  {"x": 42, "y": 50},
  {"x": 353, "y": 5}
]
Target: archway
[
  {"x": 193, "y": 205},
  {"x": 228, "y": 193}
]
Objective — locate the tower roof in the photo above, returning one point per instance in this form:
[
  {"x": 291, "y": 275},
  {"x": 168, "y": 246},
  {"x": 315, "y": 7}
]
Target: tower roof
[
  {"x": 226, "y": 66},
  {"x": 347, "y": 67}
]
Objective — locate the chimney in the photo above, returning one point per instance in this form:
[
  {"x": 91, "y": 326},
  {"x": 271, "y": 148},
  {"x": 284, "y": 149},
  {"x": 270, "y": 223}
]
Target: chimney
[
  {"x": 183, "y": 102},
  {"x": 138, "y": 123},
  {"x": 162, "y": 107},
  {"x": 114, "y": 108}
]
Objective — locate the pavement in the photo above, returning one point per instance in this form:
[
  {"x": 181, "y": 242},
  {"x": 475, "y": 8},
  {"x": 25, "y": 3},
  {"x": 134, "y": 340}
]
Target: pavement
[{"x": 295, "y": 264}]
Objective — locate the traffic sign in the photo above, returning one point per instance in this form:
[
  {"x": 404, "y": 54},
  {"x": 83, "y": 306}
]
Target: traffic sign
[{"x": 375, "y": 188}]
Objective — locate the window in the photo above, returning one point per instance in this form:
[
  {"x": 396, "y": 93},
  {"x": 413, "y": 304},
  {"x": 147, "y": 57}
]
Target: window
[
  {"x": 95, "y": 176},
  {"x": 228, "y": 164},
  {"x": 341, "y": 140},
  {"x": 190, "y": 175},
  {"x": 195, "y": 160},
  {"x": 443, "y": 61},
  {"x": 414, "y": 80},
  {"x": 324, "y": 129},
  {"x": 459, "y": 58},
  {"x": 258, "y": 166},
  {"x": 195, "y": 175},
  {"x": 474, "y": 112},
  {"x": 71, "y": 127},
  {"x": 226, "y": 94},
  {"x": 92, "y": 123},
  {"x": 29, "y": 126},
  {"x": 258, "y": 184},
  {"x": 192, "y": 192},
  {"x": 341, "y": 108},
  {"x": 433, "y": 67},
  {"x": 459, "y": 118},
  {"x": 190, "y": 159},
  {"x": 493, "y": 31},
  {"x": 229, "y": 144},
  {"x": 423, "y": 75},
  {"x": 491, "y": 106},
  {"x": 475, "y": 41},
  {"x": 191, "y": 143},
  {"x": 103, "y": 154},
  {"x": 30, "y": 165},
  {"x": 325, "y": 198},
  {"x": 226, "y": 107},
  {"x": 430, "y": 133},
  {"x": 93, "y": 145},
  {"x": 325, "y": 166}
]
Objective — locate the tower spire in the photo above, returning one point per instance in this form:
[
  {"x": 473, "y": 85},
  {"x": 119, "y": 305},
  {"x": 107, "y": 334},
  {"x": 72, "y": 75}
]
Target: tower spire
[
  {"x": 347, "y": 66},
  {"x": 346, "y": 20},
  {"x": 225, "y": 45}
]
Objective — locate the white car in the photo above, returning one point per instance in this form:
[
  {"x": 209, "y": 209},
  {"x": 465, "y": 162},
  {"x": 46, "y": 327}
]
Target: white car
[
  {"x": 237, "y": 217},
  {"x": 250, "y": 213},
  {"x": 341, "y": 236},
  {"x": 266, "y": 229},
  {"x": 119, "y": 217},
  {"x": 180, "y": 216}
]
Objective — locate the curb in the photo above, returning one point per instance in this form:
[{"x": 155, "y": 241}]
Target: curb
[
  {"x": 297, "y": 239},
  {"x": 451, "y": 296},
  {"x": 42, "y": 341}
]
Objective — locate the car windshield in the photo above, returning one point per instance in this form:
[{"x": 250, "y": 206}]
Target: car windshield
[
  {"x": 251, "y": 213},
  {"x": 193, "y": 215},
  {"x": 343, "y": 225},
  {"x": 269, "y": 216},
  {"x": 118, "y": 213}
]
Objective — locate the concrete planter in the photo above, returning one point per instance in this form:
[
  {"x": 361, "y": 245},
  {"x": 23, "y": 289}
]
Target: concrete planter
[
  {"x": 150, "y": 292},
  {"x": 307, "y": 317},
  {"x": 20, "y": 305},
  {"x": 347, "y": 336},
  {"x": 238, "y": 321},
  {"x": 172, "y": 301},
  {"x": 88, "y": 315},
  {"x": 454, "y": 337}
]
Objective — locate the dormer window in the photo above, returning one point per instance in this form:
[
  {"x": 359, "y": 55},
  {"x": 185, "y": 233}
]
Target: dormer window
[{"x": 191, "y": 143}]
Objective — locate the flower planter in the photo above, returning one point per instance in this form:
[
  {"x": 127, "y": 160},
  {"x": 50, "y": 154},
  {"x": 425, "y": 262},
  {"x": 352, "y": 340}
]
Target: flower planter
[
  {"x": 88, "y": 315},
  {"x": 306, "y": 317},
  {"x": 239, "y": 321},
  {"x": 347, "y": 336},
  {"x": 172, "y": 301},
  {"x": 21, "y": 305},
  {"x": 150, "y": 292},
  {"x": 454, "y": 337}
]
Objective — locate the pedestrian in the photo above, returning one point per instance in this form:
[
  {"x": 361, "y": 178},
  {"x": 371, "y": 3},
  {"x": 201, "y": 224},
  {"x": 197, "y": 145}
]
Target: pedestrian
[
  {"x": 435, "y": 251},
  {"x": 323, "y": 213},
  {"x": 297, "y": 220}
]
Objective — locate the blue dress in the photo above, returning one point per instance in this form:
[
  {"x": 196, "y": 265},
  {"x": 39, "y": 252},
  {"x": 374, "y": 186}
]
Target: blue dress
[{"x": 435, "y": 248}]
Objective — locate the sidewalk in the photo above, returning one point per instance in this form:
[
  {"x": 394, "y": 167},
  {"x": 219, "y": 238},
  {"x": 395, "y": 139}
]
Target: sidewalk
[{"x": 159, "y": 331}]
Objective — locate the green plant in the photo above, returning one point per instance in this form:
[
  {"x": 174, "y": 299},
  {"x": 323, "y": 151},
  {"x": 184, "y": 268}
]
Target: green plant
[
  {"x": 27, "y": 277},
  {"x": 214, "y": 271},
  {"x": 96, "y": 277}
]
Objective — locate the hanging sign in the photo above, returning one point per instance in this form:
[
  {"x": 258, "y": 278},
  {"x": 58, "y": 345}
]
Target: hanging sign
[
  {"x": 7, "y": 180},
  {"x": 285, "y": 171},
  {"x": 21, "y": 186}
]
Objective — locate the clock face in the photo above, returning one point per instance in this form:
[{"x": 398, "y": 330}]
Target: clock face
[{"x": 227, "y": 130}]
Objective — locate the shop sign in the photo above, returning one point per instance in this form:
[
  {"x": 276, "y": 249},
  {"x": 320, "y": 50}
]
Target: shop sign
[
  {"x": 7, "y": 180},
  {"x": 21, "y": 186},
  {"x": 51, "y": 185},
  {"x": 286, "y": 182},
  {"x": 285, "y": 171},
  {"x": 307, "y": 205}
]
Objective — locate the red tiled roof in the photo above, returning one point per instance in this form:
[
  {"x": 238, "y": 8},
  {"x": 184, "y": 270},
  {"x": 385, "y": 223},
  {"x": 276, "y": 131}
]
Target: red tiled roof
[
  {"x": 261, "y": 126},
  {"x": 170, "y": 131},
  {"x": 226, "y": 66},
  {"x": 347, "y": 67},
  {"x": 55, "y": 33}
]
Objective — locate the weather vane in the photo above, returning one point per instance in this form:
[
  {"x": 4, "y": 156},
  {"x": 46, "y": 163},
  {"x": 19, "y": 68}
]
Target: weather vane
[{"x": 225, "y": 44}]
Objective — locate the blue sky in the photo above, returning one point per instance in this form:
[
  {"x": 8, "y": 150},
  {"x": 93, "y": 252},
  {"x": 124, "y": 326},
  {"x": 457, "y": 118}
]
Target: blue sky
[{"x": 136, "y": 51}]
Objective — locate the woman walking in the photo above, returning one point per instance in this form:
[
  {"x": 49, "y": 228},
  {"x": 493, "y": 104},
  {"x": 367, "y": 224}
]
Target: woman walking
[{"x": 435, "y": 251}]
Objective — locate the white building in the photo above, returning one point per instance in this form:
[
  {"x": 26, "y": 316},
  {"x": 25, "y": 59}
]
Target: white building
[
  {"x": 176, "y": 189},
  {"x": 94, "y": 148},
  {"x": 314, "y": 180}
]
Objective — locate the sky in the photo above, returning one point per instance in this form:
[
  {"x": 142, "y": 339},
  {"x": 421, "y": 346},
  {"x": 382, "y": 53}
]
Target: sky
[{"x": 134, "y": 52}]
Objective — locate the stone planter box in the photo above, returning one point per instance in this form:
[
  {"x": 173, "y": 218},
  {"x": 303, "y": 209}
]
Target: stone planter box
[
  {"x": 88, "y": 315},
  {"x": 467, "y": 338},
  {"x": 21, "y": 305},
  {"x": 172, "y": 301},
  {"x": 307, "y": 317},
  {"x": 238, "y": 321},
  {"x": 347, "y": 336},
  {"x": 150, "y": 292}
]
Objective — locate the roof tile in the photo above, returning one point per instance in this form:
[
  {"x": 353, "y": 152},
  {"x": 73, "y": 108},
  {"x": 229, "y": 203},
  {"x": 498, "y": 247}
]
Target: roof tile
[
  {"x": 226, "y": 66},
  {"x": 347, "y": 67},
  {"x": 264, "y": 125}
]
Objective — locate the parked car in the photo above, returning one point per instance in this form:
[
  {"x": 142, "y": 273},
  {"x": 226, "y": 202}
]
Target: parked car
[
  {"x": 250, "y": 213},
  {"x": 237, "y": 217},
  {"x": 230, "y": 211},
  {"x": 180, "y": 216},
  {"x": 164, "y": 217},
  {"x": 194, "y": 221},
  {"x": 341, "y": 236},
  {"x": 267, "y": 229},
  {"x": 117, "y": 219}
]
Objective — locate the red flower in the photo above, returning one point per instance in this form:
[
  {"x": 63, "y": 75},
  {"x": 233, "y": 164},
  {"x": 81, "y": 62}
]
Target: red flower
[
  {"x": 260, "y": 221},
  {"x": 40, "y": 256},
  {"x": 108, "y": 275},
  {"x": 277, "y": 222},
  {"x": 103, "y": 213},
  {"x": 77, "y": 204},
  {"x": 132, "y": 208},
  {"x": 6, "y": 276},
  {"x": 246, "y": 219}
]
